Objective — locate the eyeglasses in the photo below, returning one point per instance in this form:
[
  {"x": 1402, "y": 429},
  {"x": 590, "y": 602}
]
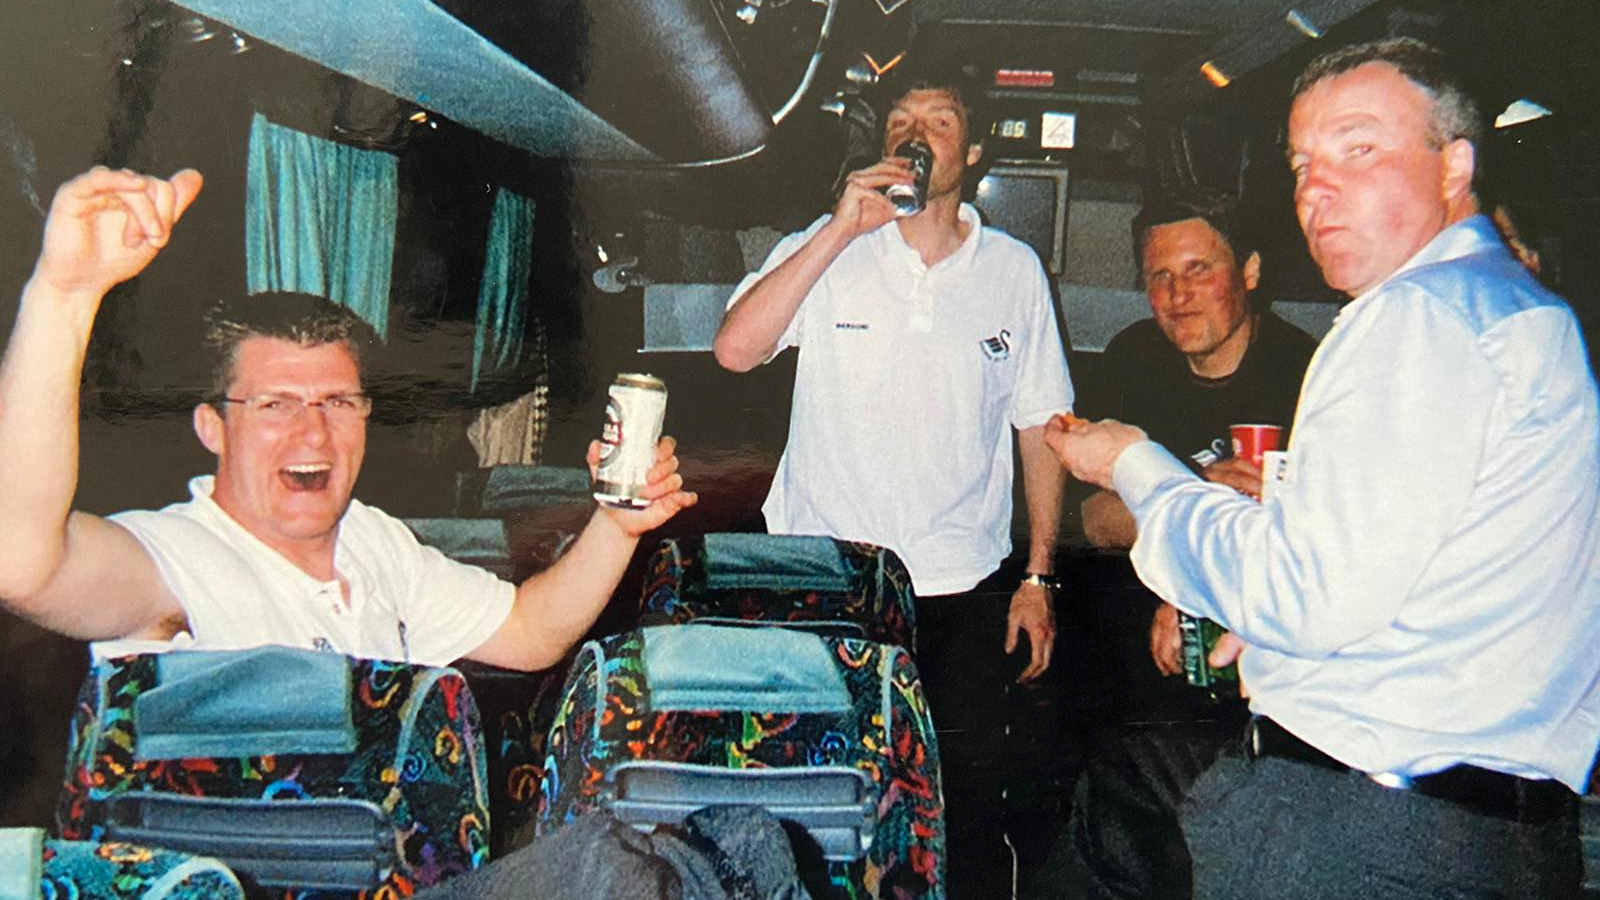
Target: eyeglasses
[
  {"x": 1164, "y": 280},
  {"x": 285, "y": 408}
]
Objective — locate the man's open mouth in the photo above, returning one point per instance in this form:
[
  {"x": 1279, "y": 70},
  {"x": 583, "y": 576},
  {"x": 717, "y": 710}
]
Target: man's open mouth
[{"x": 306, "y": 476}]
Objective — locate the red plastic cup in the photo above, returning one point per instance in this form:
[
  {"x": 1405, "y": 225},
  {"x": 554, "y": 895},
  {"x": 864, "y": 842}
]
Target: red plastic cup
[{"x": 1251, "y": 441}]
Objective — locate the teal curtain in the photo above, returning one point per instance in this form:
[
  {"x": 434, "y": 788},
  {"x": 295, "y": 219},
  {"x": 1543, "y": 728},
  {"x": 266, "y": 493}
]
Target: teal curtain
[
  {"x": 320, "y": 219},
  {"x": 503, "y": 293}
]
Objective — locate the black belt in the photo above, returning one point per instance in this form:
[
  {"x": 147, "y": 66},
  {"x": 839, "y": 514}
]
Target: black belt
[{"x": 1479, "y": 790}]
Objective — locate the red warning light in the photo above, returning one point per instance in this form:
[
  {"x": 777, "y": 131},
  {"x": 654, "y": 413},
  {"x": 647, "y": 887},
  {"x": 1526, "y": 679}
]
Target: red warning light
[{"x": 1024, "y": 78}]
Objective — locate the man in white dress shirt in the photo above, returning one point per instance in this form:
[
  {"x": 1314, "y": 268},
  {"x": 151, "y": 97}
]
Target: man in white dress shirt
[{"x": 1420, "y": 592}]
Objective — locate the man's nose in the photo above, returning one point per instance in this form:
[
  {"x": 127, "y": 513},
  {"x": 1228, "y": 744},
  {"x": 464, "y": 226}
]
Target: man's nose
[
  {"x": 1182, "y": 290},
  {"x": 1314, "y": 186},
  {"x": 312, "y": 424}
]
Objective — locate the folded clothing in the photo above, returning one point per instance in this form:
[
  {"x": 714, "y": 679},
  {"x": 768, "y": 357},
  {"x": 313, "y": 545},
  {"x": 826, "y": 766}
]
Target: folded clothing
[{"x": 716, "y": 853}]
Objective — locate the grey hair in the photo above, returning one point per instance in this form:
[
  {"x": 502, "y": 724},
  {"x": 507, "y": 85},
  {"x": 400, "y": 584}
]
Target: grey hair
[{"x": 1456, "y": 114}]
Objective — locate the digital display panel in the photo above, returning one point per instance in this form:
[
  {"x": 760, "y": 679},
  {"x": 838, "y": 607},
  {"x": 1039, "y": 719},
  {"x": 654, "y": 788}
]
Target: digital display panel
[{"x": 1058, "y": 130}]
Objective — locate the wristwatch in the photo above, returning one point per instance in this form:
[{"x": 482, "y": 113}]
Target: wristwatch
[{"x": 1048, "y": 582}]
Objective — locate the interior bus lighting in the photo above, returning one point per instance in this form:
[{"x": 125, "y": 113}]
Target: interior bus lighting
[{"x": 1214, "y": 75}]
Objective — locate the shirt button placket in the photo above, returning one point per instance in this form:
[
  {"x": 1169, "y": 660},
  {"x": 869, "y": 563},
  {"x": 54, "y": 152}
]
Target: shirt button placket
[{"x": 330, "y": 593}]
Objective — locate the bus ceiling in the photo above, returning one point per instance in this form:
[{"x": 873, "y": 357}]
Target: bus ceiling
[{"x": 671, "y": 87}]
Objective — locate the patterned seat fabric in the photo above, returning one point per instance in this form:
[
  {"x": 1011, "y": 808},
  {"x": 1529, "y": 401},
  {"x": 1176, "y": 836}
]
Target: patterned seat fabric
[
  {"x": 117, "y": 871},
  {"x": 887, "y": 734},
  {"x": 782, "y": 578},
  {"x": 516, "y": 708},
  {"x": 419, "y": 764}
]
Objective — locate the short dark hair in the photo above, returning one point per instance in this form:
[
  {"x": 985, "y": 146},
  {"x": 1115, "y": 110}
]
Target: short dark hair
[
  {"x": 303, "y": 319},
  {"x": 1221, "y": 213},
  {"x": 1455, "y": 113},
  {"x": 958, "y": 82}
]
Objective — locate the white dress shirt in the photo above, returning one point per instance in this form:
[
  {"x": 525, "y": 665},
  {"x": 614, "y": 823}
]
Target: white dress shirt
[{"x": 1423, "y": 588}]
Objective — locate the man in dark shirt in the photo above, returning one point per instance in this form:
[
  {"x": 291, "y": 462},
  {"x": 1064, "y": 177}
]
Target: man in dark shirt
[
  {"x": 1209, "y": 358},
  {"x": 1189, "y": 413}
]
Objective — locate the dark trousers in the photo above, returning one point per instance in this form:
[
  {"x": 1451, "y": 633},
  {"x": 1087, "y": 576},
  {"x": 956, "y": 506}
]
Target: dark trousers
[
  {"x": 965, "y": 671},
  {"x": 1122, "y": 840},
  {"x": 980, "y": 716},
  {"x": 1274, "y": 828}
]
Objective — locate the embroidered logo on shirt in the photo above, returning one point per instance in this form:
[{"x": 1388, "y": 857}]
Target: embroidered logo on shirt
[
  {"x": 998, "y": 347},
  {"x": 1208, "y": 455},
  {"x": 852, "y": 326},
  {"x": 322, "y": 645}
]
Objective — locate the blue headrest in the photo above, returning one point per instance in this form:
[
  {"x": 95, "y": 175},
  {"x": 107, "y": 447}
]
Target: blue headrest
[
  {"x": 762, "y": 670},
  {"x": 267, "y": 700},
  {"x": 21, "y": 863},
  {"x": 779, "y": 562}
]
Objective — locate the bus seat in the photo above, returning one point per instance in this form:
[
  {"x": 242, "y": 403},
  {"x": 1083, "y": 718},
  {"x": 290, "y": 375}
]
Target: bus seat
[
  {"x": 829, "y": 733},
  {"x": 819, "y": 583},
  {"x": 302, "y": 771}
]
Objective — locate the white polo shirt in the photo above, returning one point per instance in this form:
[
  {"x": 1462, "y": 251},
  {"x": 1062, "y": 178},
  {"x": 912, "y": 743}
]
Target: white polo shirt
[
  {"x": 908, "y": 384},
  {"x": 408, "y": 602}
]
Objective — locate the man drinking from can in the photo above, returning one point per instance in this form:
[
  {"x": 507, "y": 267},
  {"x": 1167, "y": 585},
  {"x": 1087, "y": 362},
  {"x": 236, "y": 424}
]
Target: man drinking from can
[{"x": 925, "y": 342}]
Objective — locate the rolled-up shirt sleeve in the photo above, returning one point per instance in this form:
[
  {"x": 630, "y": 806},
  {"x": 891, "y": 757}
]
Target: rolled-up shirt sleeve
[{"x": 1382, "y": 464}]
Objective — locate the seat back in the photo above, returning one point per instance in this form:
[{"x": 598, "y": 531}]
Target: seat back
[
  {"x": 853, "y": 589},
  {"x": 118, "y": 871},
  {"x": 829, "y": 732},
  {"x": 301, "y": 771}
]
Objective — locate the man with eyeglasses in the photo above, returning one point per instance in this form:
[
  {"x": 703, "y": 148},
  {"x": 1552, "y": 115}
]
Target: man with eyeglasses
[{"x": 271, "y": 549}]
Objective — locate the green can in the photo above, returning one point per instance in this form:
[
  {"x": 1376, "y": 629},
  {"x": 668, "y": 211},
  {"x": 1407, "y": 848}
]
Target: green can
[{"x": 1199, "y": 637}]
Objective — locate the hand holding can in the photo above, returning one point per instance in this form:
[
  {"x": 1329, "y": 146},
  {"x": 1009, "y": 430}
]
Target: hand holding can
[
  {"x": 636, "y": 407},
  {"x": 908, "y": 199},
  {"x": 1199, "y": 637}
]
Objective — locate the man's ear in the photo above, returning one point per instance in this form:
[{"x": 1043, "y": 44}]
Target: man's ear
[
  {"x": 208, "y": 426},
  {"x": 974, "y": 153},
  {"x": 1251, "y": 270},
  {"x": 1460, "y": 162}
]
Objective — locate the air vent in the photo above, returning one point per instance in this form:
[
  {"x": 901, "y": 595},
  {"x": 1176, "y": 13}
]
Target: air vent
[{"x": 1100, "y": 76}]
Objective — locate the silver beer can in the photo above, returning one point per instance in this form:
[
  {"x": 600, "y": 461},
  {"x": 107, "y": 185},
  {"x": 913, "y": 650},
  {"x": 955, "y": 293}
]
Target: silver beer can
[{"x": 635, "y": 409}]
